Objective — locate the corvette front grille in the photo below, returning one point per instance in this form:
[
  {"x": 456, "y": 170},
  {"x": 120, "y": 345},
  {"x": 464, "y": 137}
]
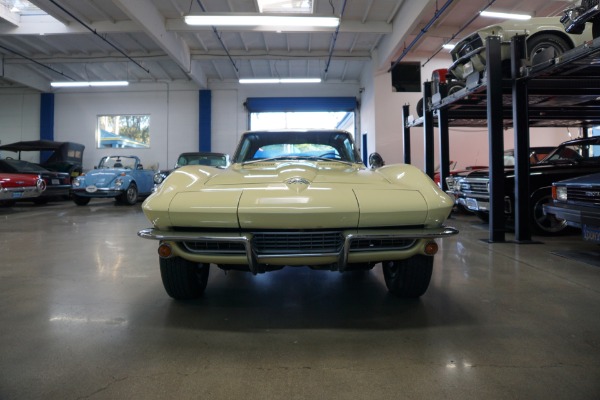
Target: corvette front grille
[
  {"x": 367, "y": 244},
  {"x": 214, "y": 246},
  {"x": 297, "y": 242}
]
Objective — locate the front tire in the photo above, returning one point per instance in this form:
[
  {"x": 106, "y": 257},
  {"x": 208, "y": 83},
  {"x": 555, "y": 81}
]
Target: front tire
[
  {"x": 539, "y": 43},
  {"x": 130, "y": 196},
  {"x": 408, "y": 278},
  {"x": 545, "y": 224},
  {"x": 81, "y": 201},
  {"x": 183, "y": 279}
]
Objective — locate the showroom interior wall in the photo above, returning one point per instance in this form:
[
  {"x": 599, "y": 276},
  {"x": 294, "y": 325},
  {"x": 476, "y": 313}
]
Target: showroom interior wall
[
  {"x": 19, "y": 116},
  {"x": 174, "y": 117}
]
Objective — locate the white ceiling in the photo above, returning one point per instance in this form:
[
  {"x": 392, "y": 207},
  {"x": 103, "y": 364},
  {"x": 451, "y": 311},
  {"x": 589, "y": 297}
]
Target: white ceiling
[{"x": 147, "y": 40}]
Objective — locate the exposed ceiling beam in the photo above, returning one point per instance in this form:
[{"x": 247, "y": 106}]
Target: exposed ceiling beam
[
  {"x": 148, "y": 16},
  {"x": 24, "y": 76}
]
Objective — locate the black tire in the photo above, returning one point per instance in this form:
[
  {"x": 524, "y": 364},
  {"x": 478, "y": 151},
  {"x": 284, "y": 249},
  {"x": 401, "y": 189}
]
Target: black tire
[
  {"x": 483, "y": 216},
  {"x": 130, "y": 196},
  {"x": 420, "y": 107},
  {"x": 183, "y": 279},
  {"x": 454, "y": 87},
  {"x": 546, "y": 225},
  {"x": 538, "y": 43},
  {"x": 596, "y": 27},
  {"x": 81, "y": 201},
  {"x": 408, "y": 278}
]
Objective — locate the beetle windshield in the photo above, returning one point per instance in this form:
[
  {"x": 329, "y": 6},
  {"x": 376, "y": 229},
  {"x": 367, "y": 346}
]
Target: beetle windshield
[
  {"x": 117, "y": 162},
  {"x": 322, "y": 145}
]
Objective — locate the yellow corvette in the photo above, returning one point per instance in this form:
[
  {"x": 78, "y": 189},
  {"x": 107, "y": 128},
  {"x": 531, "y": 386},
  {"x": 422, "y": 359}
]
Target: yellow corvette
[{"x": 297, "y": 198}]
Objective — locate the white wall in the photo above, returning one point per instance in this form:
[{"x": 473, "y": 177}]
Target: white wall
[
  {"x": 19, "y": 119},
  {"x": 173, "y": 111}
]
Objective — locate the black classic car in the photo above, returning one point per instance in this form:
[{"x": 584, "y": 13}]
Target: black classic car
[
  {"x": 55, "y": 156},
  {"x": 577, "y": 201},
  {"x": 575, "y": 18},
  {"x": 571, "y": 159}
]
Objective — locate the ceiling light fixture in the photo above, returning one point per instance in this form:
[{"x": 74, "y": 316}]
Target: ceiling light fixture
[
  {"x": 260, "y": 20},
  {"x": 448, "y": 46},
  {"x": 284, "y": 80},
  {"x": 88, "y": 84},
  {"x": 502, "y": 15}
]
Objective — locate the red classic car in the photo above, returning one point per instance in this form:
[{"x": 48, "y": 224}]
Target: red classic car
[{"x": 20, "y": 186}]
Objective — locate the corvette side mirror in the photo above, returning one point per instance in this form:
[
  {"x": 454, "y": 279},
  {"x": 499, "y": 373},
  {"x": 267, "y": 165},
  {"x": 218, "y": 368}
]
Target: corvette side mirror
[{"x": 376, "y": 161}]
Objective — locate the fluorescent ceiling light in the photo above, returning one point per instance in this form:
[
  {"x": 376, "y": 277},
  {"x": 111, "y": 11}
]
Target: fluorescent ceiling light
[
  {"x": 87, "y": 84},
  {"x": 286, "y": 6},
  {"x": 260, "y": 20},
  {"x": 504, "y": 15},
  {"x": 448, "y": 46},
  {"x": 284, "y": 80}
]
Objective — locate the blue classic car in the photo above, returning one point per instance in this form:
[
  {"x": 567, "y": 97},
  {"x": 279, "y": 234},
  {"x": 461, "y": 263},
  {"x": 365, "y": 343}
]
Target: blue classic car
[
  {"x": 577, "y": 201},
  {"x": 121, "y": 177}
]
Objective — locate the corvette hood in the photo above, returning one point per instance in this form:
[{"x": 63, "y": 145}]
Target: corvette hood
[{"x": 298, "y": 196}]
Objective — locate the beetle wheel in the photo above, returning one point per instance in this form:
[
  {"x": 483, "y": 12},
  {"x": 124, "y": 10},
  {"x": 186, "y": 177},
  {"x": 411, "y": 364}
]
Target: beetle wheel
[{"x": 130, "y": 196}]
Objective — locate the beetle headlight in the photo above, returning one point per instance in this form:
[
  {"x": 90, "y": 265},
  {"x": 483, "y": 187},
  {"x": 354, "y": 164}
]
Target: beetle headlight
[
  {"x": 118, "y": 182},
  {"x": 77, "y": 182},
  {"x": 158, "y": 178}
]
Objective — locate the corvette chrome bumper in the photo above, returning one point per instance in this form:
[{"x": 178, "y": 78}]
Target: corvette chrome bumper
[{"x": 369, "y": 245}]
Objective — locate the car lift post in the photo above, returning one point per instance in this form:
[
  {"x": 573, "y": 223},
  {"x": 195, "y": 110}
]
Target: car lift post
[
  {"x": 495, "y": 138},
  {"x": 520, "y": 112},
  {"x": 406, "y": 134},
  {"x": 443, "y": 131},
  {"x": 428, "y": 139}
]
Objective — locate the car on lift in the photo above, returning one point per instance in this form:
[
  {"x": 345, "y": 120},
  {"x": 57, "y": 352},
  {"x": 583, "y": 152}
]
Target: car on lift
[
  {"x": 297, "y": 198},
  {"x": 576, "y": 18},
  {"x": 20, "y": 186},
  {"x": 62, "y": 157},
  {"x": 546, "y": 39},
  {"x": 570, "y": 159},
  {"x": 217, "y": 160},
  {"x": 577, "y": 201},
  {"x": 121, "y": 177}
]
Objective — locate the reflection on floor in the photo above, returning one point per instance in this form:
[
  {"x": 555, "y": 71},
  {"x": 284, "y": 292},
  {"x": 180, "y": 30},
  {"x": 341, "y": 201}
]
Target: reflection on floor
[{"x": 83, "y": 315}]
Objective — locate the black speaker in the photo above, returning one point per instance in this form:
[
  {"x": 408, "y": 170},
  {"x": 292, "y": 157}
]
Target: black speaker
[{"x": 406, "y": 77}]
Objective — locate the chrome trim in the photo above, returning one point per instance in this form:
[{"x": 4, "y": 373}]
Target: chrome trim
[{"x": 253, "y": 258}]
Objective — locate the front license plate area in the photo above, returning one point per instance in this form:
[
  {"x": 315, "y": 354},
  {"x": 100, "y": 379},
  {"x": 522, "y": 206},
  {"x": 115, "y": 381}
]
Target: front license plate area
[
  {"x": 17, "y": 195},
  {"x": 591, "y": 233}
]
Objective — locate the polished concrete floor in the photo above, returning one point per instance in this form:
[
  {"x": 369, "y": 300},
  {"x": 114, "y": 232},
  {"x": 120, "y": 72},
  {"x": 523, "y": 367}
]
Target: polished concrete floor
[{"x": 83, "y": 315}]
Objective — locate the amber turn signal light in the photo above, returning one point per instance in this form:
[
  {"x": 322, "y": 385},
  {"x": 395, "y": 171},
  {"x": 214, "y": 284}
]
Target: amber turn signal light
[
  {"x": 431, "y": 248},
  {"x": 165, "y": 251}
]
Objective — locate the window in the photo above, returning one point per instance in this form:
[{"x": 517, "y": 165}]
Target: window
[{"x": 123, "y": 131}]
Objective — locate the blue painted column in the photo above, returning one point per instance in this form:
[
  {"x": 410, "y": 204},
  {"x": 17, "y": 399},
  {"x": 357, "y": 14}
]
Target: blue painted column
[
  {"x": 46, "y": 121},
  {"x": 205, "y": 120}
]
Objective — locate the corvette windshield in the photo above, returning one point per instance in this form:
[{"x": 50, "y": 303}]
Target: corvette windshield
[{"x": 322, "y": 145}]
